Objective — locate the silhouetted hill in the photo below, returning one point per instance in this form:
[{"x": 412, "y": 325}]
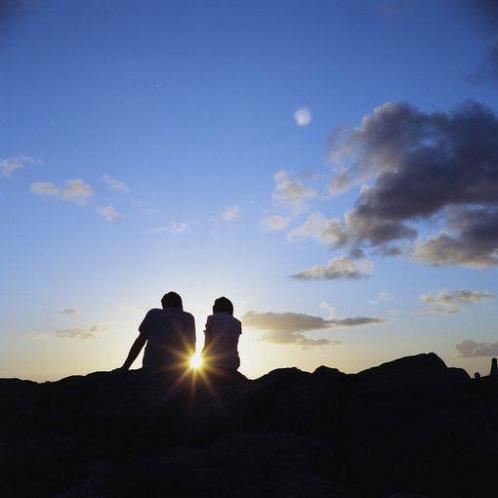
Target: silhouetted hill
[{"x": 410, "y": 427}]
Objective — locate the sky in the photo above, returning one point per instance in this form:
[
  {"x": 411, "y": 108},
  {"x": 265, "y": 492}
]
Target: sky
[{"x": 330, "y": 166}]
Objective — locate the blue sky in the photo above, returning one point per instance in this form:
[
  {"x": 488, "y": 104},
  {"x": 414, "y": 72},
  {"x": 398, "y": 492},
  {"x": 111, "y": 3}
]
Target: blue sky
[{"x": 170, "y": 122}]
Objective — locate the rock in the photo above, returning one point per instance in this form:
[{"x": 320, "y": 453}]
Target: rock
[
  {"x": 410, "y": 424},
  {"x": 494, "y": 368}
]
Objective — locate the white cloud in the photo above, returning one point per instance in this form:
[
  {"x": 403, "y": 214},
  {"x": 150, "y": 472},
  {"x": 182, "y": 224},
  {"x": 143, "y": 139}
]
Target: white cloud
[
  {"x": 75, "y": 190},
  {"x": 451, "y": 302},
  {"x": 290, "y": 193},
  {"x": 13, "y": 163},
  {"x": 177, "y": 227},
  {"x": 382, "y": 297},
  {"x": 329, "y": 308},
  {"x": 115, "y": 184},
  {"x": 77, "y": 333},
  {"x": 109, "y": 213},
  {"x": 231, "y": 213},
  {"x": 173, "y": 227},
  {"x": 302, "y": 116},
  {"x": 275, "y": 222},
  {"x": 339, "y": 267},
  {"x": 48, "y": 189},
  {"x": 324, "y": 230},
  {"x": 158, "y": 230},
  {"x": 72, "y": 333}
]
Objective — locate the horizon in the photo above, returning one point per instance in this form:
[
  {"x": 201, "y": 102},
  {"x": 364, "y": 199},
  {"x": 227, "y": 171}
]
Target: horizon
[{"x": 332, "y": 168}]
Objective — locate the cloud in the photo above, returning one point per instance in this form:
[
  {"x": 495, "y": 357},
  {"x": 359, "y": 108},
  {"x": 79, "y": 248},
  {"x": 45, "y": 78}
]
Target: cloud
[
  {"x": 339, "y": 267},
  {"x": 471, "y": 239},
  {"x": 297, "y": 338},
  {"x": 302, "y": 116},
  {"x": 109, "y": 213},
  {"x": 290, "y": 193},
  {"x": 329, "y": 308},
  {"x": 48, "y": 189},
  {"x": 75, "y": 190},
  {"x": 77, "y": 333},
  {"x": 289, "y": 328},
  {"x": 69, "y": 312},
  {"x": 13, "y": 163},
  {"x": 231, "y": 213},
  {"x": 324, "y": 230},
  {"x": 115, "y": 184},
  {"x": 382, "y": 297},
  {"x": 70, "y": 333},
  {"x": 472, "y": 349},
  {"x": 423, "y": 167},
  {"x": 275, "y": 222},
  {"x": 176, "y": 227},
  {"x": 451, "y": 302},
  {"x": 173, "y": 227},
  {"x": 158, "y": 230}
]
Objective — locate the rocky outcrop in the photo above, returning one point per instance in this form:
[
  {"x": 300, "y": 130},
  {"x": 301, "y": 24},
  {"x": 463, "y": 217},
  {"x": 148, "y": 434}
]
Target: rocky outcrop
[{"x": 410, "y": 427}]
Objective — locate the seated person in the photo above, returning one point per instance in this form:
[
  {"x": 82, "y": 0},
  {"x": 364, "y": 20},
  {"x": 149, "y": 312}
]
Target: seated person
[
  {"x": 170, "y": 336},
  {"x": 222, "y": 338}
]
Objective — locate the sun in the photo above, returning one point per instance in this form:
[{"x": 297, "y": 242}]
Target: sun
[{"x": 196, "y": 362}]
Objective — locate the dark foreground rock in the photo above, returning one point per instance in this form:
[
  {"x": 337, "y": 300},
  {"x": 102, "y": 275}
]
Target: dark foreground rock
[{"x": 409, "y": 428}]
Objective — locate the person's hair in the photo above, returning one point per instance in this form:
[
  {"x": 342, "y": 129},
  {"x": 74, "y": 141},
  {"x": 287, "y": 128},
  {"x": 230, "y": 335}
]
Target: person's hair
[
  {"x": 172, "y": 300},
  {"x": 223, "y": 304}
]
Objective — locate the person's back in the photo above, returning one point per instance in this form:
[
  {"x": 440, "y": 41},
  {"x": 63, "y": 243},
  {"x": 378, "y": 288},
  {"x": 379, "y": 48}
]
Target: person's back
[
  {"x": 222, "y": 337},
  {"x": 170, "y": 335}
]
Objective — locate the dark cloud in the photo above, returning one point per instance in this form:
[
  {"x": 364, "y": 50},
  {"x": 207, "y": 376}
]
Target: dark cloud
[
  {"x": 289, "y": 328},
  {"x": 472, "y": 241},
  {"x": 424, "y": 166},
  {"x": 472, "y": 349}
]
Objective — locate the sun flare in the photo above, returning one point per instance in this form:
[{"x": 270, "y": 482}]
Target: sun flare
[{"x": 196, "y": 362}]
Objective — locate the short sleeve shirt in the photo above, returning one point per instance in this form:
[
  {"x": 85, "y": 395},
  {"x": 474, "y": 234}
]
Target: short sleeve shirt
[
  {"x": 224, "y": 331},
  {"x": 170, "y": 335}
]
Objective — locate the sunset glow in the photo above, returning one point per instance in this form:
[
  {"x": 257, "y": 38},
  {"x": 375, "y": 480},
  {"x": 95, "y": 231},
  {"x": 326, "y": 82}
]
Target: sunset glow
[{"x": 196, "y": 362}]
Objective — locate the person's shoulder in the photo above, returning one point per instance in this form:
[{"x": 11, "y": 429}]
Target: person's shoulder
[
  {"x": 153, "y": 315},
  {"x": 237, "y": 323},
  {"x": 154, "y": 312},
  {"x": 187, "y": 315}
]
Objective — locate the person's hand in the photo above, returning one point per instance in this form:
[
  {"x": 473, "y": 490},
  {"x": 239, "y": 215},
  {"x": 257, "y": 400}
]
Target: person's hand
[{"x": 119, "y": 370}]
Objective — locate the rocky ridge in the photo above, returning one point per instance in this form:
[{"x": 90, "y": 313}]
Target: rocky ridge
[{"x": 411, "y": 427}]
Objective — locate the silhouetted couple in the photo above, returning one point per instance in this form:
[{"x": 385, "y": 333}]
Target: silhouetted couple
[{"x": 168, "y": 335}]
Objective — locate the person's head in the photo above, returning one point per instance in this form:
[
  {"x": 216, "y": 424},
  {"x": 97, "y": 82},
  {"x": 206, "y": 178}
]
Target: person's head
[
  {"x": 223, "y": 304},
  {"x": 172, "y": 300}
]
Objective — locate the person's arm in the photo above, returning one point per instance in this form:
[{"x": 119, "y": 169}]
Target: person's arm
[{"x": 134, "y": 351}]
